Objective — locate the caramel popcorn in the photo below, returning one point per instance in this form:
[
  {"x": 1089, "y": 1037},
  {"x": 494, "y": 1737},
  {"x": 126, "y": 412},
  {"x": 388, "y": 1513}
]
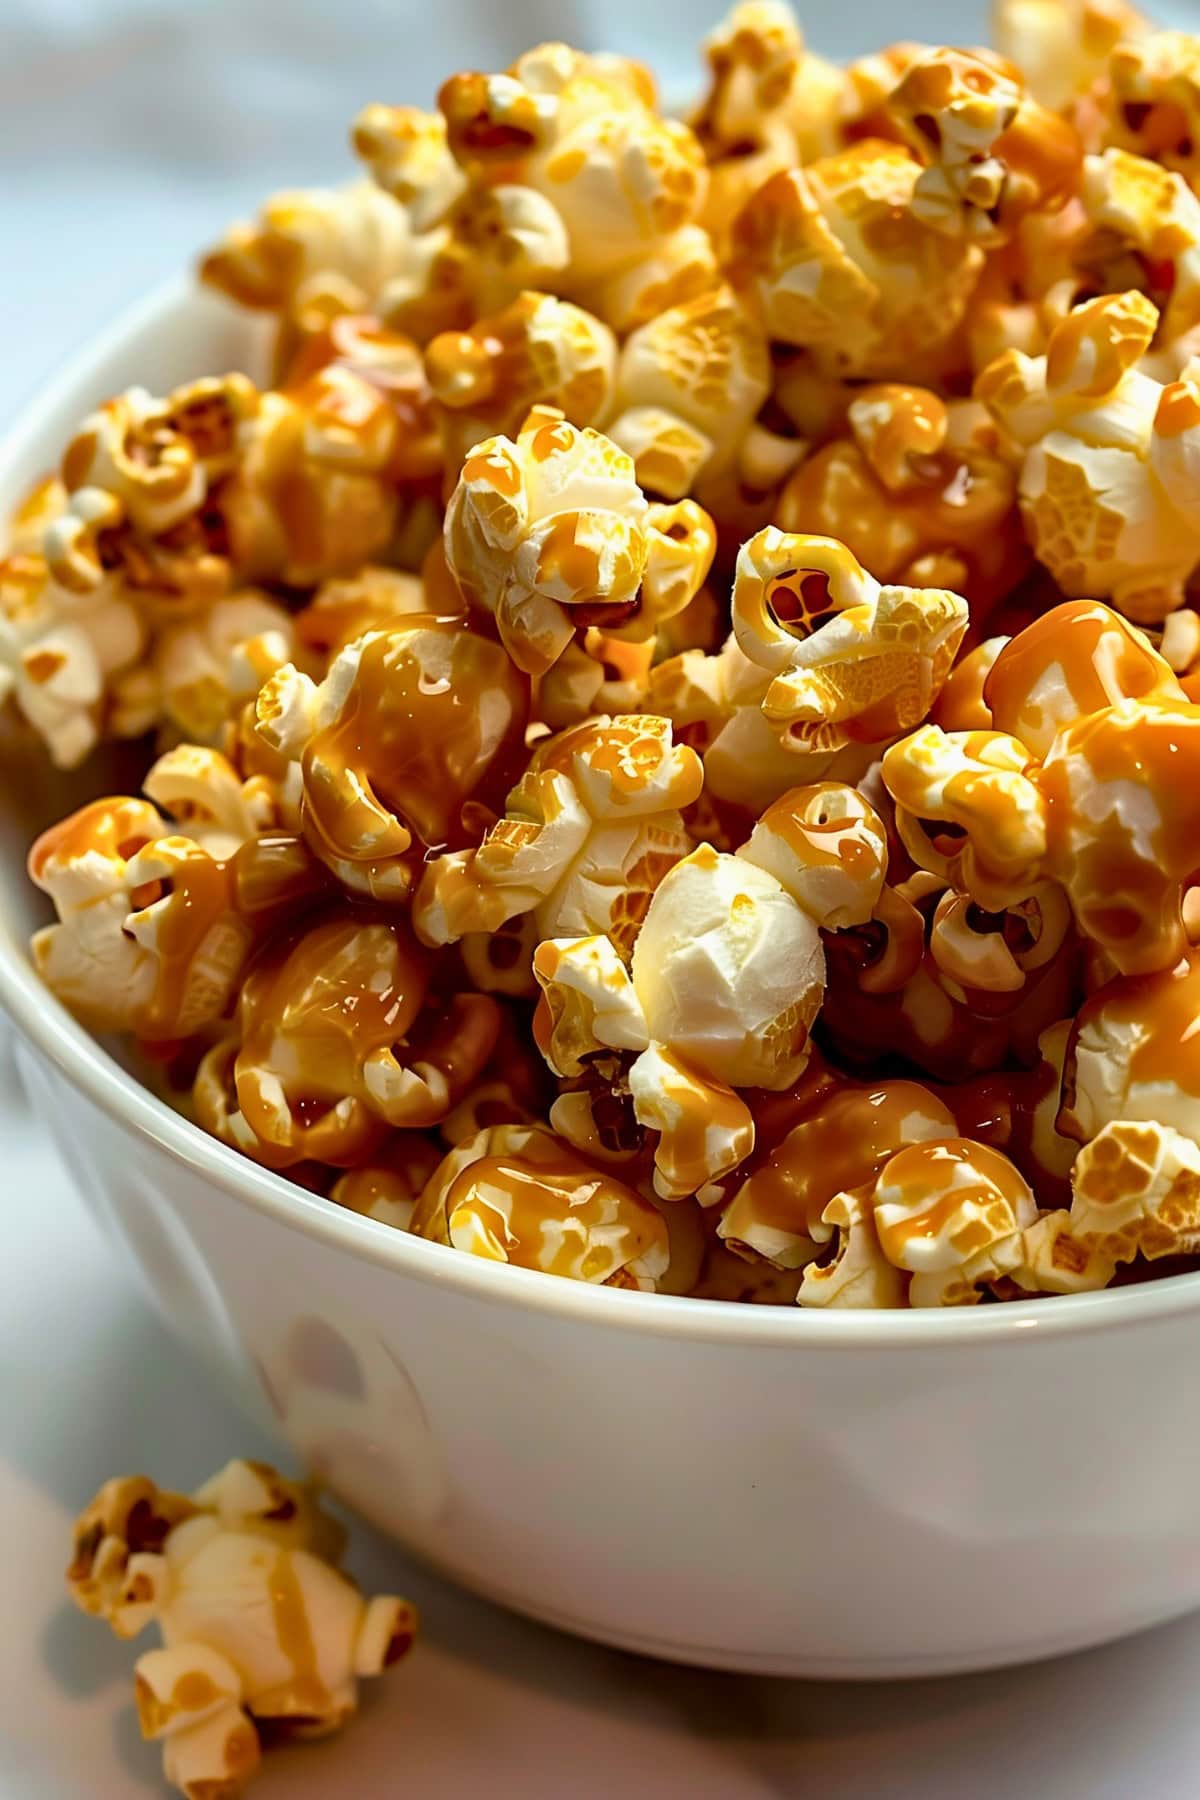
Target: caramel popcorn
[
  {"x": 837, "y": 261},
  {"x": 260, "y": 1627},
  {"x": 586, "y": 823},
  {"x": 550, "y": 532},
  {"x": 515, "y": 1194}
]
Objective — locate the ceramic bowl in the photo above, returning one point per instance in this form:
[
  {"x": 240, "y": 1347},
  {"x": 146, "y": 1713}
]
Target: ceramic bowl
[{"x": 763, "y": 1489}]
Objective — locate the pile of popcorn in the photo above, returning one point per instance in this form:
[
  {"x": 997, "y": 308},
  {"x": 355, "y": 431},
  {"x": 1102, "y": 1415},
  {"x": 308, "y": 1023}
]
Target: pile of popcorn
[{"x": 674, "y": 725}]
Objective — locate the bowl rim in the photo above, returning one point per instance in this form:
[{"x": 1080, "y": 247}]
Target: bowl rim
[{"x": 41, "y": 1019}]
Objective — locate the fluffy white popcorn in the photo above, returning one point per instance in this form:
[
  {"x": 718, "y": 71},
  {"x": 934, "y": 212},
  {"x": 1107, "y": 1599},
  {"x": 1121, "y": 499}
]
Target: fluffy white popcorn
[
  {"x": 1135, "y": 1191},
  {"x": 1131, "y": 1056},
  {"x": 202, "y": 669},
  {"x": 258, "y": 1625},
  {"x": 858, "y": 1274}
]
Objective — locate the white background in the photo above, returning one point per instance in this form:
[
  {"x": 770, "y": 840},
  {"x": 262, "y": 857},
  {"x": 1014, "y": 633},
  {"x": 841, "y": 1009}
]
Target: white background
[{"x": 130, "y": 132}]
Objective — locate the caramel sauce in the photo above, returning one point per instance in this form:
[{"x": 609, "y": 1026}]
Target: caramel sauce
[
  {"x": 813, "y": 824},
  {"x": 923, "y": 1172},
  {"x": 561, "y": 1191},
  {"x": 420, "y": 741},
  {"x": 305, "y": 1694},
  {"x": 844, "y": 1144},
  {"x": 1166, "y": 1006},
  {"x": 1101, "y": 658}
]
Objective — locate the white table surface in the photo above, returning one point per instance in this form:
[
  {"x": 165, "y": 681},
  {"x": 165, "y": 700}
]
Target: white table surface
[{"x": 488, "y": 1704}]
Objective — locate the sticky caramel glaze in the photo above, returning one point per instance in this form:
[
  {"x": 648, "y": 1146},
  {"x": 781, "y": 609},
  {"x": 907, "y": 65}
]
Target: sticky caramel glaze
[
  {"x": 918, "y": 1182},
  {"x": 1165, "y": 1006},
  {"x": 824, "y": 831},
  {"x": 304, "y": 1695},
  {"x": 421, "y": 742},
  {"x": 537, "y": 1213},
  {"x": 1126, "y": 881},
  {"x": 961, "y": 705},
  {"x": 845, "y": 1143},
  {"x": 113, "y": 827},
  {"x": 395, "y": 368},
  {"x": 1102, "y": 660}
]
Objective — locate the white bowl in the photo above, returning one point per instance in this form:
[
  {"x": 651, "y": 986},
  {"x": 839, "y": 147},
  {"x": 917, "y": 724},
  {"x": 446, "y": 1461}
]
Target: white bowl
[{"x": 766, "y": 1489}]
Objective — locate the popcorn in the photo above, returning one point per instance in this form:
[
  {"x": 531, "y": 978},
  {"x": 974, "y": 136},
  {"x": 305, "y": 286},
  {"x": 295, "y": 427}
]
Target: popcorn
[
  {"x": 587, "y": 836},
  {"x": 996, "y": 814},
  {"x": 516, "y": 1194},
  {"x": 689, "y": 384},
  {"x": 918, "y": 491},
  {"x": 61, "y": 654},
  {"x": 539, "y": 351},
  {"x": 410, "y": 728},
  {"x": 725, "y": 981},
  {"x": 837, "y": 262},
  {"x": 307, "y": 1075},
  {"x": 771, "y": 104},
  {"x": 1144, "y": 221},
  {"x": 202, "y": 669},
  {"x": 953, "y": 1212},
  {"x": 780, "y": 1210},
  {"x": 258, "y": 1624},
  {"x": 1135, "y": 1191},
  {"x": 992, "y": 154},
  {"x": 577, "y": 136},
  {"x": 1130, "y": 1057},
  {"x": 853, "y": 662},
  {"x": 858, "y": 1273},
  {"x": 387, "y": 1188},
  {"x": 1154, "y": 107},
  {"x": 1109, "y": 457},
  {"x": 155, "y": 920},
  {"x": 551, "y": 532},
  {"x": 1063, "y": 46},
  {"x": 408, "y": 155}
]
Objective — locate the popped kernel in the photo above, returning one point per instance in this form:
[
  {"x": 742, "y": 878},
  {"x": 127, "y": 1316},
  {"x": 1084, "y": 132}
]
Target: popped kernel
[
  {"x": 260, "y": 1627},
  {"x": 550, "y": 532},
  {"x": 516, "y": 1194},
  {"x": 1062, "y": 47},
  {"x": 1135, "y": 1191},
  {"x": 953, "y": 1212},
  {"x": 1154, "y": 108}
]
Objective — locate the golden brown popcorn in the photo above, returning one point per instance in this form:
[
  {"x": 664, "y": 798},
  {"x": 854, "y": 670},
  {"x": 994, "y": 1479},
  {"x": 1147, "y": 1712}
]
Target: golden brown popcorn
[
  {"x": 387, "y": 1187},
  {"x": 390, "y": 362},
  {"x": 1063, "y": 46},
  {"x": 62, "y": 654},
  {"x": 1131, "y": 1054},
  {"x": 1143, "y": 232},
  {"x": 575, "y": 142},
  {"x": 952, "y": 1212},
  {"x": 306, "y": 1075},
  {"x": 689, "y": 385},
  {"x": 258, "y": 1624},
  {"x": 1153, "y": 107},
  {"x": 313, "y": 253},
  {"x": 918, "y": 489},
  {"x": 1056, "y": 1260},
  {"x": 202, "y": 669},
  {"x": 837, "y": 263},
  {"x": 414, "y": 731},
  {"x": 725, "y": 981},
  {"x": 991, "y": 153},
  {"x": 156, "y": 918},
  {"x": 408, "y": 155},
  {"x": 1110, "y": 457},
  {"x": 853, "y": 662},
  {"x": 538, "y": 351},
  {"x": 1135, "y": 1191},
  {"x": 139, "y": 478},
  {"x": 858, "y": 1274},
  {"x": 587, "y": 835},
  {"x": 517, "y": 1194},
  {"x": 550, "y": 533},
  {"x": 374, "y": 598},
  {"x": 779, "y": 1210},
  {"x": 996, "y": 814},
  {"x": 771, "y": 104}
]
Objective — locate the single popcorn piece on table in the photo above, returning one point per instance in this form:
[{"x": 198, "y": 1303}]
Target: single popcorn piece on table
[
  {"x": 157, "y": 917},
  {"x": 725, "y": 980},
  {"x": 411, "y": 728},
  {"x": 919, "y": 490},
  {"x": 517, "y": 1194},
  {"x": 550, "y": 533},
  {"x": 771, "y": 103},
  {"x": 576, "y": 142},
  {"x": 340, "y": 1037},
  {"x": 1079, "y": 699},
  {"x": 259, "y": 1627},
  {"x": 586, "y": 837},
  {"x": 837, "y": 262},
  {"x": 1110, "y": 457}
]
